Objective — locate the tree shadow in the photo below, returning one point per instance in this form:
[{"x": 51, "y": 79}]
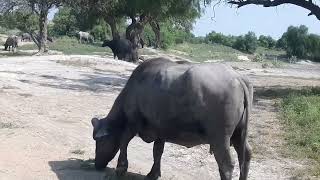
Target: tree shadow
[
  {"x": 4, "y": 54},
  {"x": 97, "y": 83},
  {"x": 278, "y": 91},
  {"x": 79, "y": 169}
]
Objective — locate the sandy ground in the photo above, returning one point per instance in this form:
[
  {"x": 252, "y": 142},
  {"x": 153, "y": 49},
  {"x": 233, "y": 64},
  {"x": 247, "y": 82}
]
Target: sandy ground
[{"x": 47, "y": 103}]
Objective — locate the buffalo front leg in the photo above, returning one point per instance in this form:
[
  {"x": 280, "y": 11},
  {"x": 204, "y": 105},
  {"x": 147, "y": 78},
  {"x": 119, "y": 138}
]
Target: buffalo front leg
[
  {"x": 155, "y": 172},
  {"x": 122, "y": 165}
]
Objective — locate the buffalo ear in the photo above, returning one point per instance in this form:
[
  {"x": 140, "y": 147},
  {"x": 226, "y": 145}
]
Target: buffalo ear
[{"x": 95, "y": 123}]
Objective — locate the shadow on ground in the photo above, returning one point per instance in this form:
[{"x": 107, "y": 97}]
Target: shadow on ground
[
  {"x": 273, "y": 92},
  {"x": 78, "y": 169},
  {"x": 4, "y": 53},
  {"x": 89, "y": 82}
]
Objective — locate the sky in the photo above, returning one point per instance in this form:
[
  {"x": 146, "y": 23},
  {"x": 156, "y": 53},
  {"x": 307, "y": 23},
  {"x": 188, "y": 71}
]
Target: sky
[{"x": 262, "y": 21}]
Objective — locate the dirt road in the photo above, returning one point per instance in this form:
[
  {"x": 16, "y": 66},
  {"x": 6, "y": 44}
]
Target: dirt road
[{"x": 47, "y": 103}]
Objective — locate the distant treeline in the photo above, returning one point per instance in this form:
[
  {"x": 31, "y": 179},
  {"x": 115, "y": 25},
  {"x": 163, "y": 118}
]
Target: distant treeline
[{"x": 296, "y": 41}]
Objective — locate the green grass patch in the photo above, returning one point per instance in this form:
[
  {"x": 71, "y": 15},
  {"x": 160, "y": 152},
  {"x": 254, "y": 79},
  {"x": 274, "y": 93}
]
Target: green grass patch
[
  {"x": 301, "y": 115},
  {"x": 204, "y": 52},
  {"x": 14, "y": 54},
  {"x": 270, "y": 53},
  {"x": 28, "y": 47},
  {"x": 71, "y": 46}
]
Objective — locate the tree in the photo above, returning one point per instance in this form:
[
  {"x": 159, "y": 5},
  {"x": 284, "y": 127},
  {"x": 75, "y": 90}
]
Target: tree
[
  {"x": 219, "y": 38},
  {"x": 266, "y": 41},
  {"x": 109, "y": 10},
  {"x": 313, "y": 46},
  {"x": 296, "y": 38},
  {"x": 282, "y": 42},
  {"x": 247, "y": 43},
  {"x": 251, "y": 42},
  {"x": 297, "y": 42},
  {"x": 28, "y": 8},
  {"x": 307, "y": 4},
  {"x": 64, "y": 22}
]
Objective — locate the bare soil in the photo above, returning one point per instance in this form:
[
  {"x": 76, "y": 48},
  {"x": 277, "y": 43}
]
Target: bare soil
[{"x": 47, "y": 103}]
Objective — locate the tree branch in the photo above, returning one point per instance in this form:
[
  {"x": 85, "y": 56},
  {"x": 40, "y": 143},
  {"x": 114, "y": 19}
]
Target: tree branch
[{"x": 307, "y": 4}]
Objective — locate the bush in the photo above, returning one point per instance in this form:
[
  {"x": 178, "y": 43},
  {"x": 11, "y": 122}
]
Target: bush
[
  {"x": 297, "y": 42},
  {"x": 240, "y": 44},
  {"x": 149, "y": 37},
  {"x": 267, "y": 41},
  {"x": 64, "y": 22},
  {"x": 247, "y": 43},
  {"x": 101, "y": 31},
  {"x": 251, "y": 42},
  {"x": 258, "y": 58},
  {"x": 219, "y": 38}
]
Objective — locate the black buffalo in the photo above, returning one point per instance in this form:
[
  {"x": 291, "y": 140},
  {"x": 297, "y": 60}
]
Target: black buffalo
[
  {"x": 26, "y": 36},
  {"x": 37, "y": 37},
  {"x": 123, "y": 49},
  {"x": 186, "y": 104},
  {"x": 11, "y": 42}
]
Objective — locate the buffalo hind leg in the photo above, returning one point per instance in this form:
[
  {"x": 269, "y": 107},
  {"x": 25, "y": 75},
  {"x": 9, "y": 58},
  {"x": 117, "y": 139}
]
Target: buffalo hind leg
[
  {"x": 155, "y": 172},
  {"x": 224, "y": 159},
  {"x": 122, "y": 165},
  {"x": 240, "y": 145}
]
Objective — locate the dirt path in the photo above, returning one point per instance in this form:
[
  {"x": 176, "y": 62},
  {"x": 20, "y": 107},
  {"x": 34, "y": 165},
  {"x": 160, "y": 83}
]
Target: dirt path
[{"x": 45, "y": 131}]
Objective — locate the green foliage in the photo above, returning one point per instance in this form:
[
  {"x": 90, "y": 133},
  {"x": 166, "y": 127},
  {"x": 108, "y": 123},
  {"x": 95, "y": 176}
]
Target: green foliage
[
  {"x": 267, "y": 41},
  {"x": 64, "y": 22},
  {"x": 25, "y": 22},
  {"x": 282, "y": 42},
  {"x": 251, "y": 42},
  {"x": 206, "y": 52},
  {"x": 313, "y": 47},
  {"x": 101, "y": 31},
  {"x": 149, "y": 36},
  {"x": 170, "y": 33},
  {"x": 71, "y": 46},
  {"x": 219, "y": 38},
  {"x": 301, "y": 114},
  {"x": 240, "y": 44},
  {"x": 298, "y": 42},
  {"x": 69, "y": 20},
  {"x": 247, "y": 43}
]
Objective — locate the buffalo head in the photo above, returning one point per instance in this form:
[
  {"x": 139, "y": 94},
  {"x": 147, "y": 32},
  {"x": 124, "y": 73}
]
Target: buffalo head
[
  {"x": 106, "y": 43},
  {"x": 107, "y": 143}
]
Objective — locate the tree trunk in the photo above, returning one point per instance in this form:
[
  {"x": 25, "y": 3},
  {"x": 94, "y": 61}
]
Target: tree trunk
[
  {"x": 156, "y": 29},
  {"x": 134, "y": 31},
  {"x": 43, "y": 26},
  {"x": 113, "y": 25}
]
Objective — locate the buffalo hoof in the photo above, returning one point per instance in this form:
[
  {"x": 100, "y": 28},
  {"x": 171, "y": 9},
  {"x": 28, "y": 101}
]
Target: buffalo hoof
[{"x": 120, "y": 171}]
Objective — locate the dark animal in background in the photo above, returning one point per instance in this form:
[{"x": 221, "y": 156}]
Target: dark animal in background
[
  {"x": 123, "y": 49},
  {"x": 37, "y": 36},
  {"x": 86, "y": 37},
  {"x": 186, "y": 104},
  {"x": 26, "y": 37},
  {"x": 11, "y": 43}
]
